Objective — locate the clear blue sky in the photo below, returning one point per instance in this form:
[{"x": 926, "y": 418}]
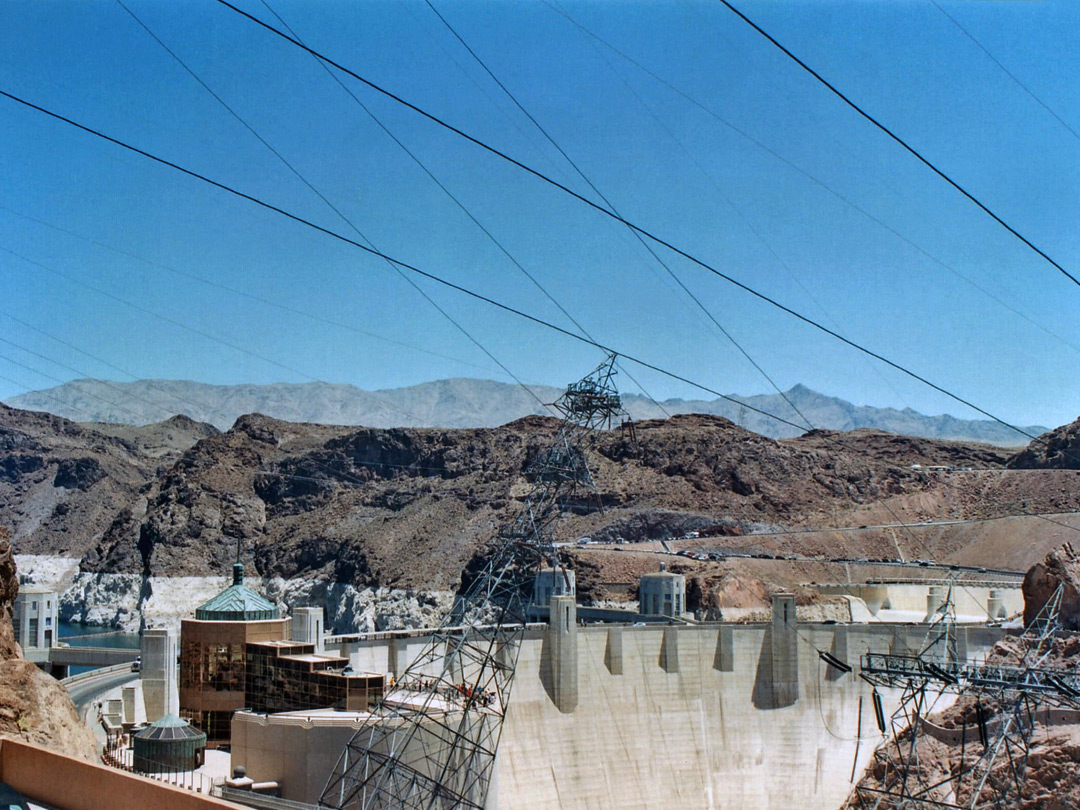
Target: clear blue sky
[{"x": 118, "y": 268}]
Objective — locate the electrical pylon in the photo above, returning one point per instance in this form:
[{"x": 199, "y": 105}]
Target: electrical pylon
[
  {"x": 431, "y": 742},
  {"x": 992, "y": 777}
]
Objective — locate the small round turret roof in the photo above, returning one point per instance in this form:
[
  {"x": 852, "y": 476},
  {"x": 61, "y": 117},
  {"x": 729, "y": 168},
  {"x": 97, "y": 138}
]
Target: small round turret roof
[
  {"x": 170, "y": 727},
  {"x": 237, "y": 603}
]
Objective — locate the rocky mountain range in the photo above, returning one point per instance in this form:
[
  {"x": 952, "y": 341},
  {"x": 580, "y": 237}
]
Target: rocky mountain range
[
  {"x": 465, "y": 403},
  {"x": 413, "y": 507}
]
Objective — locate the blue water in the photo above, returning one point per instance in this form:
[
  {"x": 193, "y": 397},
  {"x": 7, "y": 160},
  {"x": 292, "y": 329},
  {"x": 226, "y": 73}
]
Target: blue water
[{"x": 96, "y": 636}]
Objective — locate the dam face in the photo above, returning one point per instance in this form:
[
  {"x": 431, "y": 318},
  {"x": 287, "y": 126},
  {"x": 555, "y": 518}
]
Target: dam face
[{"x": 731, "y": 717}]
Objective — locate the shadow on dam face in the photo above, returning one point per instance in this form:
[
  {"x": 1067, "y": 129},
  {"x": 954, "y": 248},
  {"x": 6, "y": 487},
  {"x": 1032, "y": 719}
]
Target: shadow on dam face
[
  {"x": 775, "y": 684},
  {"x": 762, "y": 696}
]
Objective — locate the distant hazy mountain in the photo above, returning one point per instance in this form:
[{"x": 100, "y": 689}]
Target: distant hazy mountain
[{"x": 465, "y": 403}]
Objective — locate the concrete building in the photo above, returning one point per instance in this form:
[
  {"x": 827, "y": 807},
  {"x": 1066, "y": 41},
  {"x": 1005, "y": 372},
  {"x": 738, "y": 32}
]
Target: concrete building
[
  {"x": 307, "y": 627},
  {"x": 159, "y": 675},
  {"x": 237, "y": 653},
  {"x": 662, "y": 594},
  {"x": 551, "y": 582},
  {"x": 283, "y": 676},
  {"x": 36, "y": 621}
]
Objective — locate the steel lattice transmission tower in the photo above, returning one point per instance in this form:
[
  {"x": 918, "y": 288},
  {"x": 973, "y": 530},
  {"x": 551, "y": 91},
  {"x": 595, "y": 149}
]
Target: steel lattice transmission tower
[
  {"x": 990, "y": 776},
  {"x": 431, "y": 742}
]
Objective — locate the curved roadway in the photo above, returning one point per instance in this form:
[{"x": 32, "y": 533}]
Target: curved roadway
[{"x": 85, "y": 692}]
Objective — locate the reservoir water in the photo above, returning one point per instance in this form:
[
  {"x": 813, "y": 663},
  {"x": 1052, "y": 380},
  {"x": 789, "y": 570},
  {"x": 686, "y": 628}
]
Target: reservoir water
[{"x": 92, "y": 635}]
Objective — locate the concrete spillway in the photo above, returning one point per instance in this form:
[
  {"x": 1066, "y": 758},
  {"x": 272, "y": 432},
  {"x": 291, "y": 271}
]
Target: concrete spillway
[{"x": 732, "y": 717}]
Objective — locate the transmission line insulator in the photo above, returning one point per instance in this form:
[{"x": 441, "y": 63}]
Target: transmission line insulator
[{"x": 879, "y": 712}]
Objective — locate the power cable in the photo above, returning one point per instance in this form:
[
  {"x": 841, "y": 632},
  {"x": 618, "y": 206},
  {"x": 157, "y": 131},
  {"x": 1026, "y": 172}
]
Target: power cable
[
  {"x": 469, "y": 292},
  {"x": 458, "y": 287},
  {"x": 193, "y": 330},
  {"x": 610, "y": 205},
  {"x": 83, "y": 374},
  {"x": 539, "y": 175},
  {"x": 898, "y": 140},
  {"x": 593, "y": 39},
  {"x": 152, "y": 384},
  {"x": 329, "y": 204},
  {"x": 28, "y": 389},
  {"x": 404, "y": 265},
  {"x": 245, "y": 294},
  {"x": 525, "y": 133},
  {"x": 15, "y": 362},
  {"x": 1005, "y": 70},
  {"x": 576, "y": 168},
  {"x": 685, "y": 289},
  {"x": 812, "y": 178}
]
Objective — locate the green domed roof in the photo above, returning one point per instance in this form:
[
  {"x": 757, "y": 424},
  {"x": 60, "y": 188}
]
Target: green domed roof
[{"x": 237, "y": 603}]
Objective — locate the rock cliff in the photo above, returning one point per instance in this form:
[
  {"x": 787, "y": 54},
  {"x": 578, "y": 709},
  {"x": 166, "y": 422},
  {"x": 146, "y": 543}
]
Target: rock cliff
[
  {"x": 1057, "y": 449},
  {"x": 33, "y": 706},
  {"x": 1061, "y": 568},
  {"x": 62, "y": 484}
]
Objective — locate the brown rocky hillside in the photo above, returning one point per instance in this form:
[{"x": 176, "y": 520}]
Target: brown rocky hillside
[
  {"x": 410, "y": 508},
  {"x": 62, "y": 483}
]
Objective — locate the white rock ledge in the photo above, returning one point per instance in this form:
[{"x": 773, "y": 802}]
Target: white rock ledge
[{"x": 130, "y": 601}]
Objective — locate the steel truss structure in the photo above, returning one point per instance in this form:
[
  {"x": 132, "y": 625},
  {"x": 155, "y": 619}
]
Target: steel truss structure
[
  {"x": 1008, "y": 698},
  {"x": 431, "y": 742}
]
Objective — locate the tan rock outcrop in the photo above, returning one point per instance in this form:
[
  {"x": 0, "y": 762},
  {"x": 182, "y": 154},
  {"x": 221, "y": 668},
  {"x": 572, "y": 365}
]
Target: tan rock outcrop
[
  {"x": 33, "y": 706},
  {"x": 1061, "y": 567},
  {"x": 9, "y": 589}
]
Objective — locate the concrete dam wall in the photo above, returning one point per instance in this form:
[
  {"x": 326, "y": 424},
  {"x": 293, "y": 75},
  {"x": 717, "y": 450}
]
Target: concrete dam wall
[{"x": 732, "y": 717}]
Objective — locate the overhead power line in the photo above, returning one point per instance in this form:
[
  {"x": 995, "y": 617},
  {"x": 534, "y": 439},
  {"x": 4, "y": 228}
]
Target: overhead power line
[
  {"x": 1005, "y": 70},
  {"x": 745, "y": 135},
  {"x": 402, "y": 264},
  {"x": 340, "y": 214},
  {"x": 580, "y": 172},
  {"x": 900, "y": 141},
  {"x": 648, "y": 247},
  {"x": 193, "y": 330},
  {"x": 217, "y": 285},
  {"x": 505, "y": 307},
  {"x": 644, "y": 232},
  {"x": 47, "y": 376}
]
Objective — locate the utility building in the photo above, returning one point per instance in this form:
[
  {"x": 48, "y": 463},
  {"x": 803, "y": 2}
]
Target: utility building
[
  {"x": 286, "y": 676},
  {"x": 551, "y": 582},
  {"x": 36, "y": 619},
  {"x": 168, "y": 745},
  {"x": 236, "y": 654},
  {"x": 662, "y": 594}
]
